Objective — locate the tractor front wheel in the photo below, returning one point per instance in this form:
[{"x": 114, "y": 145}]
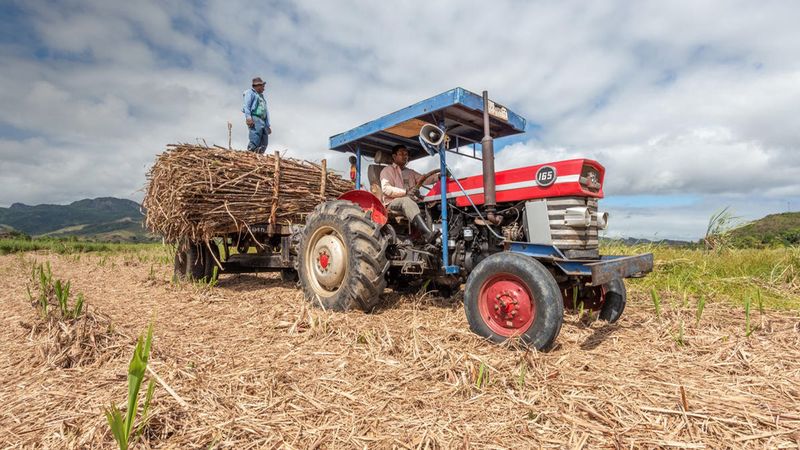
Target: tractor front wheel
[
  {"x": 510, "y": 295},
  {"x": 342, "y": 258}
]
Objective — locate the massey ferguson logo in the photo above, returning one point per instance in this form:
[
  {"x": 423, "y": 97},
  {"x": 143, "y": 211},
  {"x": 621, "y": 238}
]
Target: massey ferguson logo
[{"x": 546, "y": 176}]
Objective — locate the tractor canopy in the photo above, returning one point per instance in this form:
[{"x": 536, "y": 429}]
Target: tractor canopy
[{"x": 458, "y": 112}]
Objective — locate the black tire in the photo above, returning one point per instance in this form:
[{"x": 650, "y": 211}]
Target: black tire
[
  {"x": 179, "y": 264},
  {"x": 196, "y": 261},
  {"x": 540, "y": 288},
  {"x": 353, "y": 275},
  {"x": 615, "y": 299}
]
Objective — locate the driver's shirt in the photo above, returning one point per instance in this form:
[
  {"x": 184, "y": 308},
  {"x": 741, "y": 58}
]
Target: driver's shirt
[{"x": 395, "y": 182}]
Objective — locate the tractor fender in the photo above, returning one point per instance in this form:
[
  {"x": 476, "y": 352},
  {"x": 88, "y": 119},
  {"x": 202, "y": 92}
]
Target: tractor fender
[{"x": 368, "y": 202}]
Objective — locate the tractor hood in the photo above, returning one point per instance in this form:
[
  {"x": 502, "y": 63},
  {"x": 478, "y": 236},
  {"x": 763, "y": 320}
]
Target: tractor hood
[{"x": 574, "y": 177}]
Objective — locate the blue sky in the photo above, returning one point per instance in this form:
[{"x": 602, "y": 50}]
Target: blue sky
[{"x": 691, "y": 106}]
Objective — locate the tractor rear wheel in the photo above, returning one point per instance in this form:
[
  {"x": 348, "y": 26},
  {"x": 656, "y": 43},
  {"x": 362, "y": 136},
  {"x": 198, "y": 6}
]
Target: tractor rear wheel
[
  {"x": 511, "y": 295},
  {"x": 342, "y": 258}
]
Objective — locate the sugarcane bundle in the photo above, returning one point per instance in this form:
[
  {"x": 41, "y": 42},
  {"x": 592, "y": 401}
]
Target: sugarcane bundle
[{"x": 196, "y": 192}]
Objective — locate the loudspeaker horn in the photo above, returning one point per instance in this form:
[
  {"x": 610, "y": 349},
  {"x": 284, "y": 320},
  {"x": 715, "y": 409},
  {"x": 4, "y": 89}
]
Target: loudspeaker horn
[{"x": 431, "y": 135}]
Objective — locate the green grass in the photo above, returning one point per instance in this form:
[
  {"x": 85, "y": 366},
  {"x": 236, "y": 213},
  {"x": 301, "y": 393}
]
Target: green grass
[
  {"x": 60, "y": 246},
  {"x": 732, "y": 275}
]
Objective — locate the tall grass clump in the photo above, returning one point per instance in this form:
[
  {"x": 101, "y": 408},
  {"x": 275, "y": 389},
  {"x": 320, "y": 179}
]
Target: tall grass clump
[
  {"x": 122, "y": 427},
  {"x": 718, "y": 231}
]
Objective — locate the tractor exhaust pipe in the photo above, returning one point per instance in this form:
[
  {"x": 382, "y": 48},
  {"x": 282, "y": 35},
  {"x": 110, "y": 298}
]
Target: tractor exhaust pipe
[{"x": 487, "y": 155}]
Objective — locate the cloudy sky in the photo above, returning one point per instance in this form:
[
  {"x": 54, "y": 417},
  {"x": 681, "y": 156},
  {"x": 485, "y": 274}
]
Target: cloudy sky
[{"x": 692, "y": 106}]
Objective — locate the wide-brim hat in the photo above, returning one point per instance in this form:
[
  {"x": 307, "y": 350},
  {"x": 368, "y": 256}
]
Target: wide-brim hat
[{"x": 257, "y": 81}]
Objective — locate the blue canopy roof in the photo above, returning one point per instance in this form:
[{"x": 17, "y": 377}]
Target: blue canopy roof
[{"x": 459, "y": 109}]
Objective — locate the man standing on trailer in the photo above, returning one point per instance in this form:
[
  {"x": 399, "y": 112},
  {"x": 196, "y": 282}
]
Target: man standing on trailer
[
  {"x": 397, "y": 186},
  {"x": 256, "y": 117}
]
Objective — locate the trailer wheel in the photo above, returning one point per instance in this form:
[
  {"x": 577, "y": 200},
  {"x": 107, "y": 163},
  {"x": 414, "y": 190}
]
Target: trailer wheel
[
  {"x": 511, "y": 295},
  {"x": 342, "y": 258},
  {"x": 614, "y": 300},
  {"x": 179, "y": 264},
  {"x": 195, "y": 261}
]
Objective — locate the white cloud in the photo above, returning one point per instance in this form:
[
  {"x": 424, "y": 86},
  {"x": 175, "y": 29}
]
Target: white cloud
[{"x": 672, "y": 97}]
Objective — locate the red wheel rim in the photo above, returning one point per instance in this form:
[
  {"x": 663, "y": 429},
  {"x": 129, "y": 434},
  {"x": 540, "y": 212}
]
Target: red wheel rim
[{"x": 506, "y": 305}]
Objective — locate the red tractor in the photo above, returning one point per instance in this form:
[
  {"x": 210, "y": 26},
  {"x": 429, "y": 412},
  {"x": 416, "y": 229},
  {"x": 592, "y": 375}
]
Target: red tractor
[{"x": 525, "y": 240}]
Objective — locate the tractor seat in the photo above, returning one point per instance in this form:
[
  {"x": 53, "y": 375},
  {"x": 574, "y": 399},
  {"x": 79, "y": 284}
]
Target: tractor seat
[{"x": 382, "y": 159}]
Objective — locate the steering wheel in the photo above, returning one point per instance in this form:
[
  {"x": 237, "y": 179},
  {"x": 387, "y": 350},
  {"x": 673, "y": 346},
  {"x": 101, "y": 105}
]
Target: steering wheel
[{"x": 421, "y": 181}]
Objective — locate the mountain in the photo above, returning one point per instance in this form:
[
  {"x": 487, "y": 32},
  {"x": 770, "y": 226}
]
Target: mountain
[
  {"x": 103, "y": 219},
  {"x": 774, "y": 229}
]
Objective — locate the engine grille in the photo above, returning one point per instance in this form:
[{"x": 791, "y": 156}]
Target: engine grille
[{"x": 567, "y": 237}]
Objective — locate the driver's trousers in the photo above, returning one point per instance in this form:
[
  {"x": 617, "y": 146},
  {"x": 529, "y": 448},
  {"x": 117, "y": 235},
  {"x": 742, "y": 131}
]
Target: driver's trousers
[{"x": 404, "y": 206}]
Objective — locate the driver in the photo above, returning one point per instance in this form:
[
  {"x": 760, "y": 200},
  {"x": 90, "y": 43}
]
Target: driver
[{"x": 397, "y": 186}]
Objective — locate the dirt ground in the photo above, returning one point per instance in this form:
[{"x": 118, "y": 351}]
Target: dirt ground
[{"x": 249, "y": 366}]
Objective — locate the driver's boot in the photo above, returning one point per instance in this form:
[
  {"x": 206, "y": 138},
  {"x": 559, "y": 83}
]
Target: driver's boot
[{"x": 428, "y": 235}]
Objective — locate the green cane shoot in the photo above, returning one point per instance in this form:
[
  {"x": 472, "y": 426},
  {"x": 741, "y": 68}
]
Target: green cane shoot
[
  {"x": 656, "y": 302},
  {"x": 701, "y": 305},
  {"x": 122, "y": 427},
  {"x": 747, "y": 326}
]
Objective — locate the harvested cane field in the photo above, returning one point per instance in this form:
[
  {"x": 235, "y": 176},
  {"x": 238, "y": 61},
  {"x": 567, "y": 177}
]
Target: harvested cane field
[{"x": 706, "y": 362}]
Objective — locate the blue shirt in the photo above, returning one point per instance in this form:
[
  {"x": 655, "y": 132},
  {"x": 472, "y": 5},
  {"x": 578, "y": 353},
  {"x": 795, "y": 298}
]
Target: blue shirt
[{"x": 251, "y": 101}]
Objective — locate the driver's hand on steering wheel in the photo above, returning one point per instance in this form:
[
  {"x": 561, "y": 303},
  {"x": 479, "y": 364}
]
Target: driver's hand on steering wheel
[{"x": 413, "y": 192}]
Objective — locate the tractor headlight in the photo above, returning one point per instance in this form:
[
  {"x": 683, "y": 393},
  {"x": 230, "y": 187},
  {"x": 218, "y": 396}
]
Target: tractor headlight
[
  {"x": 577, "y": 217},
  {"x": 602, "y": 220},
  {"x": 590, "y": 178}
]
